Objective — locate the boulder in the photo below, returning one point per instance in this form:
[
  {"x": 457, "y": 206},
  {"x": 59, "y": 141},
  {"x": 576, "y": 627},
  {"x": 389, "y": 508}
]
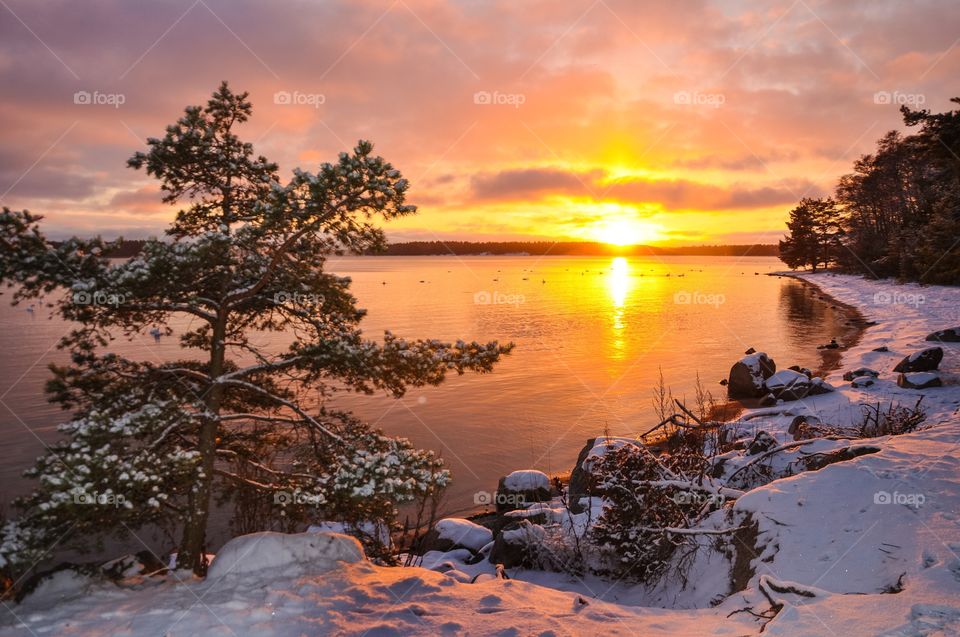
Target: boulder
[
  {"x": 882, "y": 348},
  {"x": 761, "y": 442},
  {"x": 522, "y": 487},
  {"x": 951, "y": 335},
  {"x": 789, "y": 385},
  {"x": 768, "y": 401},
  {"x": 516, "y": 545},
  {"x": 863, "y": 381},
  {"x": 289, "y": 553},
  {"x": 747, "y": 376},
  {"x": 800, "y": 427},
  {"x": 919, "y": 380},
  {"x": 860, "y": 371},
  {"x": 456, "y": 533},
  {"x": 925, "y": 360}
]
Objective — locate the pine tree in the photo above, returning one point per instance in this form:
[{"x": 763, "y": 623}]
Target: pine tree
[
  {"x": 814, "y": 234},
  {"x": 244, "y": 256}
]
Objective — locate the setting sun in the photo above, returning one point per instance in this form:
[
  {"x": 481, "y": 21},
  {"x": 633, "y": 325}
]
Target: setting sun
[{"x": 625, "y": 232}]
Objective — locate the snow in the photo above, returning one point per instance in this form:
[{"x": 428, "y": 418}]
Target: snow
[
  {"x": 920, "y": 378},
  {"x": 867, "y": 546},
  {"x": 526, "y": 480},
  {"x": 464, "y": 533},
  {"x": 287, "y": 552},
  {"x": 786, "y": 378}
]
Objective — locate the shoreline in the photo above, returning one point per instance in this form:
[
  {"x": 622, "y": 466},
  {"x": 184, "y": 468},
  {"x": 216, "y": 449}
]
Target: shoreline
[{"x": 853, "y": 328}]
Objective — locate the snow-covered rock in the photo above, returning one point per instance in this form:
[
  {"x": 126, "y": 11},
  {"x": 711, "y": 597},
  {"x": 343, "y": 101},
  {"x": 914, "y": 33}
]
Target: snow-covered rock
[
  {"x": 951, "y": 335},
  {"x": 919, "y": 380},
  {"x": 521, "y": 488},
  {"x": 747, "y": 375},
  {"x": 291, "y": 552},
  {"x": 526, "y": 480},
  {"x": 923, "y": 361},
  {"x": 463, "y": 533}
]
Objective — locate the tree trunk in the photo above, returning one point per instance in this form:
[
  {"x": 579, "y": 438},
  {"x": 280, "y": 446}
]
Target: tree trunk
[{"x": 192, "y": 545}]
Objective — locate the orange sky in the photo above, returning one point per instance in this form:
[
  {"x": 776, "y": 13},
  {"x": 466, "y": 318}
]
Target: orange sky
[{"x": 673, "y": 123}]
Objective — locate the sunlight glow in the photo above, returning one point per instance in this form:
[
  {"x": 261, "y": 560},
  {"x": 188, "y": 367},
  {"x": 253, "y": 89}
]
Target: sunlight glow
[{"x": 625, "y": 232}]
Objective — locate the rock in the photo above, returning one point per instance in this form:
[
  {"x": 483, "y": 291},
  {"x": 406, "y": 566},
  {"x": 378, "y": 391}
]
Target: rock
[
  {"x": 750, "y": 351},
  {"x": 289, "y": 553},
  {"x": 800, "y": 427},
  {"x": 723, "y": 382},
  {"x": 919, "y": 380},
  {"x": 833, "y": 344},
  {"x": 456, "y": 533},
  {"x": 860, "y": 371},
  {"x": 521, "y": 488},
  {"x": 516, "y": 545},
  {"x": 863, "y": 381},
  {"x": 951, "y": 335},
  {"x": 761, "y": 442},
  {"x": 747, "y": 376},
  {"x": 579, "y": 485},
  {"x": 768, "y": 401},
  {"x": 882, "y": 348},
  {"x": 923, "y": 361},
  {"x": 789, "y": 385}
]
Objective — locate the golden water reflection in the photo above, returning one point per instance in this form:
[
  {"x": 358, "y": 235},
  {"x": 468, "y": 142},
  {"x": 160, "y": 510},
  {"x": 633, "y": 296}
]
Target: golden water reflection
[{"x": 620, "y": 283}]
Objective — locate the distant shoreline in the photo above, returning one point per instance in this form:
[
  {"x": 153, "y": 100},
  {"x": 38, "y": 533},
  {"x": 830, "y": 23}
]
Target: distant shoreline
[{"x": 131, "y": 248}]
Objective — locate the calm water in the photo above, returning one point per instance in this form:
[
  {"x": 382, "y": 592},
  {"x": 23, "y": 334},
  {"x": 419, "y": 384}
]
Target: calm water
[{"x": 590, "y": 335}]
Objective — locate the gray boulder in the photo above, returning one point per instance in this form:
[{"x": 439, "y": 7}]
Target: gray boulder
[
  {"x": 925, "y": 360},
  {"x": 859, "y": 372}
]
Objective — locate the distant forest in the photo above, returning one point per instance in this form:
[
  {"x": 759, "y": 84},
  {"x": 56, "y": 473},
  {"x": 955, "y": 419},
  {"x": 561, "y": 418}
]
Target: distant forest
[
  {"x": 538, "y": 248},
  {"x": 569, "y": 248}
]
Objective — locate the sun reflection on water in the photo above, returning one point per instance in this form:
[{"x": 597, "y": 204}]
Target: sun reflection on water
[{"x": 619, "y": 282}]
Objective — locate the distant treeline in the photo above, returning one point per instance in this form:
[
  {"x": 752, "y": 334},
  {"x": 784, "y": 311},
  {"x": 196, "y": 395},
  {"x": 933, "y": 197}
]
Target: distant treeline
[
  {"x": 570, "y": 248},
  {"x": 132, "y": 247}
]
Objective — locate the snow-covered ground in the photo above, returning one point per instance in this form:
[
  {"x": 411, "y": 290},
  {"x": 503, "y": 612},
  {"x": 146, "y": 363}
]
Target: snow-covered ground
[{"x": 868, "y": 546}]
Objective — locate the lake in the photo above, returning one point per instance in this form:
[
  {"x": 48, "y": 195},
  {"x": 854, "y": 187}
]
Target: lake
[{"x": 591, "y": 335}]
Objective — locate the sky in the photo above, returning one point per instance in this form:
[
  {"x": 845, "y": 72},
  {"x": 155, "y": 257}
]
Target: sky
[{"x": 673, "y": 123}]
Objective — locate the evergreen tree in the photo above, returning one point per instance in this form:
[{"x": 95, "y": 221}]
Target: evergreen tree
[
  {"x": 814, "y": 233},
  {"x": 244, "y": 257}
]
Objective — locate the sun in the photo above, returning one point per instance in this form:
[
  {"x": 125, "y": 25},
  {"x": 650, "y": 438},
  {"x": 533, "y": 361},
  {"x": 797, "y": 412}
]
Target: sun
[{"x": 625, "y": 232}]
